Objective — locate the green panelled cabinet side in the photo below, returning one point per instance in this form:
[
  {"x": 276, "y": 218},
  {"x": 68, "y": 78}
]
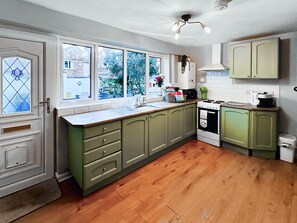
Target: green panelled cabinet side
[
  {"x": 235, "y": 126},
  {"x": 75, "y": 153},
  {"x": 175, "y": 125},
  {"x": 134, "y": 140},
  {"x": 265, "y": 59},
  {"x": 190, "y": 123},
  {"x": 240, "y": 60},
  {"x": 263, "y": 131},
  {"x": 158, "y": 131}
]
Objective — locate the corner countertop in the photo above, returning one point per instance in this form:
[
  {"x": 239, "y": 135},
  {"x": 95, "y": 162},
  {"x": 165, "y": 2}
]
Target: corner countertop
[
  {"x": 99, "y": 117},
  {"x": 248, "y": 106}
]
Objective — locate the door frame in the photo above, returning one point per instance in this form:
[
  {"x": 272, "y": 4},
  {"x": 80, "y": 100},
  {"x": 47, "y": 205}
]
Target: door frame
[{"x": 49, "y": 90}]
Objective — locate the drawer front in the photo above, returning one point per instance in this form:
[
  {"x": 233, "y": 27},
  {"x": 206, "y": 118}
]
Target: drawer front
[
  {"x": 101, "y": 169},
  {"x": 101, "y": 152},
  {"x": 101, "y": 129},
  {"x": 101, "y": 140}
]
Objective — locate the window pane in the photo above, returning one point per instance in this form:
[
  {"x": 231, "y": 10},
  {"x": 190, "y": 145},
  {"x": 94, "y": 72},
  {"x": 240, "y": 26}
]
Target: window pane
[
  {"x": 110, "y": 73},
  {"x": 155, "y": 70},
  {"x": 16, "y": 85},
  {"x": 136, "y": 73},
  {"x": 76, "y": 71}
]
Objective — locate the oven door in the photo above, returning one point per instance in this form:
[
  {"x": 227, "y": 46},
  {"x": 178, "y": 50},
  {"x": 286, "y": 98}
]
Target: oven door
[{"x": 208, "y": 120}]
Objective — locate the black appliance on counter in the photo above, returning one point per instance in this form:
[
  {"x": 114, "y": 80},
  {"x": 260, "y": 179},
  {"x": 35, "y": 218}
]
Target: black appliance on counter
[
  {"x": 191, "y": 93},
  {"x": 265, "y": 100}
]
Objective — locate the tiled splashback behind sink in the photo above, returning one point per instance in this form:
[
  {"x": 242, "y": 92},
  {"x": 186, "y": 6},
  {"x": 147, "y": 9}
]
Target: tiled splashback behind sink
[{"x": 221, "y": 87}]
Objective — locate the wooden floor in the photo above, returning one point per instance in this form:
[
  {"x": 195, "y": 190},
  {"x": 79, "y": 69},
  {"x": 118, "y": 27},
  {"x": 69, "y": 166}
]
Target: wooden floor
[{"x": 194, "y": 183}]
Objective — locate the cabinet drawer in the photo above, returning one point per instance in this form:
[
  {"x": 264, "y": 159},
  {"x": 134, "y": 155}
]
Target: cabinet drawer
[
  {"x": 101, "y": 140},
  {"x": 101, "y": 169},
  {"x": 101, "y": 129},
  {"x": 101, "y": 152}
]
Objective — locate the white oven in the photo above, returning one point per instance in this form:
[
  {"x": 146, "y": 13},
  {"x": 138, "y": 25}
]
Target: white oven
[{"x": 208, "y": 122}]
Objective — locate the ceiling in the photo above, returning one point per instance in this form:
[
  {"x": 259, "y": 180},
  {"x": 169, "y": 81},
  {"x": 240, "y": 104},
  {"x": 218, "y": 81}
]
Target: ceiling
[{"x": 154, "y": 18}]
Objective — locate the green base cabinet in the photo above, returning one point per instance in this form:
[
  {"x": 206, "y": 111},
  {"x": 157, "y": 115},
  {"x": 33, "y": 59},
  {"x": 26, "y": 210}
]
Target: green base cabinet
[
  {"x": 263, "y": 130},
  {"x": 235, "y": 126},
  {"x": 190, "y": 121},
  {"x": 175, "y": 125},
  {"x": 94, "y": 153},
  {"x": 158, "y": 131},
  {"x": 134, "y": 140}
]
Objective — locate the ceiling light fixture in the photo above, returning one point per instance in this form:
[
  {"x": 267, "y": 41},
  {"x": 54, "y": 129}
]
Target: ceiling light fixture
[
  {"x": 220, "y": 5},
  {"x": 185, "y": 20}
]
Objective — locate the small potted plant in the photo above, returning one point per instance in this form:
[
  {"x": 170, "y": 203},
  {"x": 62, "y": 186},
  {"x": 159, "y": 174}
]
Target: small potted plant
[{"x": 203, "y": 92}]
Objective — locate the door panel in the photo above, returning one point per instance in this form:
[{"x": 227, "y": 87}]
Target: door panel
[{"x": 22, "y": 152}]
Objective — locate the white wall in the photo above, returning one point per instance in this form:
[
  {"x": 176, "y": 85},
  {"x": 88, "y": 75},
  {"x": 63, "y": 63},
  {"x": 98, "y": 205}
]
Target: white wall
[{"x": 221, "y": 87}]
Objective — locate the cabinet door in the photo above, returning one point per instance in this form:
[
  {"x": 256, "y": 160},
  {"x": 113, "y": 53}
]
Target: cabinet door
[
  {"x": 135, "y": 140},
  {"x": 263, "y": 130},
  {"x": 265, "y": 59},
  {"x": 235, "y": 126},
  {"x": 190, "y": 120},
  {"x": 175, "y": 125},
  {"x": 158, "y": 130},
  {"x": 240, "y": 60}
]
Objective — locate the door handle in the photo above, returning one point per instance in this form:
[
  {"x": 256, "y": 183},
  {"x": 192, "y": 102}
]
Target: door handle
[{"x": 48, "y": 104}]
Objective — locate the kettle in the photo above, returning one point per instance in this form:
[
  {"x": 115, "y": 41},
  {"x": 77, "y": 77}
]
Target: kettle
[
  {"x": 254, "y": 98},
  {"x": 265, "y": 100}
]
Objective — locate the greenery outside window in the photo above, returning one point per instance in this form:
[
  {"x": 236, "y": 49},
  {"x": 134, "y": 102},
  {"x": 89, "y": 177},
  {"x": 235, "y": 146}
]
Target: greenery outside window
[
  {"x": 110, "y": 73},
  {"x": 154, "y": 71}
]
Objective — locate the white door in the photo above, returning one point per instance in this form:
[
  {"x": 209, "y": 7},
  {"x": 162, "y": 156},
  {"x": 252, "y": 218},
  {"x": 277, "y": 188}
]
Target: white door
[{"x": 22, "y": 134}]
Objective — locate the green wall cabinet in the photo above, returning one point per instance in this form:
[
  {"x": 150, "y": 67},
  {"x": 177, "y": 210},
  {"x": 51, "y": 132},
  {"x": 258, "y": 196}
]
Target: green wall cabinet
[
  {"x": 263, "y": 130},
  {"x": 175, "y": 125},
  {"x": 158, "y": 131},
  {"x": 235, "y": 126},
  {"x": 190, "y": 121},
  {"x": 134, "y": 140},
  {"x": 256, "y": 59}
]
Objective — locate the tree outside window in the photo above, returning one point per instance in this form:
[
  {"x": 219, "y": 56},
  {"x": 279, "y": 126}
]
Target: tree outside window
[
  {"x": 110, "y": 73},
  {"x": 154, "y": 71}
]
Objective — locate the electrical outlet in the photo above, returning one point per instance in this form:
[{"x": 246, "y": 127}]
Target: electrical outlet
[{"x": 202, "y": 79}]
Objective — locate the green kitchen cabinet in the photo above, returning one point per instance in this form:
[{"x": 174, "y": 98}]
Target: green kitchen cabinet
[
  {"x": 254, "y": 59},
  {"x": 240, "y": 60},
  {"x": 263, "y": 134},
  {"x": 94, "y": 153},
  {"x": 265, "y": 55},
  {"x": 190, "y": 122},
  {"x": 235, "y": 126},
  {"x": 134, "y": 140},
  {"x": 158, "y": 131},
  {"x": 175, "y": 125}
]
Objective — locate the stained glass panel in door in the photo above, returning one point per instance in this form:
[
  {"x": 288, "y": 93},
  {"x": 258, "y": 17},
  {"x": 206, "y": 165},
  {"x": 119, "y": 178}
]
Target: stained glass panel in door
[{"x": 16, "y": 85}]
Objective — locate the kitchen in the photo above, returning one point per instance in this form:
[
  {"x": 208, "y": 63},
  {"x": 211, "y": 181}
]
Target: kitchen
[{"x": 220, "y": 86}]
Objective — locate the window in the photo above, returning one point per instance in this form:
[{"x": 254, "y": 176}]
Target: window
[
  {"x": 110, "y": 73},
  {"x": 76, "y": 71},
  {"x": 136, "y": 67},
  {"x": 68, "y": 64},
  {"x": 154, "y": 71}
]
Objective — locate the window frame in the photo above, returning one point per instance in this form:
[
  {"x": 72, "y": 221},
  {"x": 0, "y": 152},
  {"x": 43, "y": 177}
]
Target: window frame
[{"x": 94, "y": 70}]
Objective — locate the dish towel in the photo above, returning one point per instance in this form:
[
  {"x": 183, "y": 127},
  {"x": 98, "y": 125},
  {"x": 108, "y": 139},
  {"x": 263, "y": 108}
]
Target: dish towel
[
  {"x": 203, "y": 114},
  {"x": 203, "y": 123}
]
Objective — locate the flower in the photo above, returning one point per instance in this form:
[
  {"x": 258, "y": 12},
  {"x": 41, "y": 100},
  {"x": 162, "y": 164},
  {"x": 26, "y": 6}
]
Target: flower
[{"x": 159, "y": 80}]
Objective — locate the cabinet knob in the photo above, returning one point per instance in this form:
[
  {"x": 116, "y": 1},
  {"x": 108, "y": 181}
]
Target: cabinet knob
[
  {"x": 104, "y": 140},
  {"x": 254, "y": 76},
  {"x": 255, "y": 113},
  {"x": 104, "y": 129},
  {"x": 248, "y": 76},
  {"x": 104, "y": 169},
  {"x": 104, "y": 152}
]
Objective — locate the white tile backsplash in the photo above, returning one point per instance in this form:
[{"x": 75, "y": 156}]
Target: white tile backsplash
[{"x": 221, "y": 87}]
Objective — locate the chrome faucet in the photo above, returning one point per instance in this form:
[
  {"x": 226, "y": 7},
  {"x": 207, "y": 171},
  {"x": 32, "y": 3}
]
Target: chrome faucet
[{"x": 140, "y": 101}]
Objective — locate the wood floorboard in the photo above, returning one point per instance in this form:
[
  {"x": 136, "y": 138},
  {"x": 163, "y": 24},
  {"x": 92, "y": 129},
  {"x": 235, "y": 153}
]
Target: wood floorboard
[{"x": 196, "y": 182}]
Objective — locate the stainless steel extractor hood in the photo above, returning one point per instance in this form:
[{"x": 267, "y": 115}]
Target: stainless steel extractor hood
[{"x": 217, "y": 64}]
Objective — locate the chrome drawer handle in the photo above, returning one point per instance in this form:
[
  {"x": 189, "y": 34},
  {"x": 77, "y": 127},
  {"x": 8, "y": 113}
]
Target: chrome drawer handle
[{"x": 104, "y": 169}]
